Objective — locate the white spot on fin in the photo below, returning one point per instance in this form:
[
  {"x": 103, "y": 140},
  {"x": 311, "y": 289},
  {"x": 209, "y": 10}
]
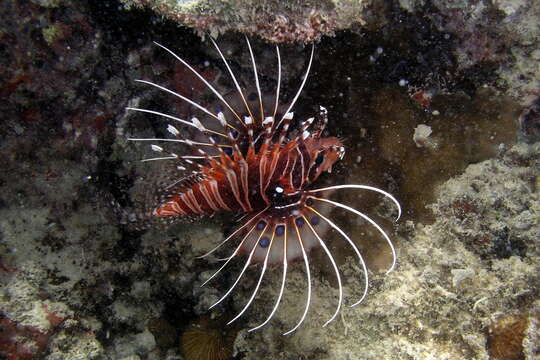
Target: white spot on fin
[
  {"x": 221, "y": 118},
  {"x": 268, "y": 120},
  {"x": 173, "y": 130},
  {"x": 198, "y": 124}
]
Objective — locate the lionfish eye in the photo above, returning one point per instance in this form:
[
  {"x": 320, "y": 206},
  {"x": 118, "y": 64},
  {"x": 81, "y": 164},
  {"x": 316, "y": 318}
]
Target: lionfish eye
[{"x": 319, "y": 159}]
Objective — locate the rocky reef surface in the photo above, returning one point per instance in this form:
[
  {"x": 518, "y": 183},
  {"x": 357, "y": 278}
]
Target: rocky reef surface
[
  {"x": 503, "y": 31},
  {"x": 436, "y": 102},
  {"x": 473, "y": 270}
]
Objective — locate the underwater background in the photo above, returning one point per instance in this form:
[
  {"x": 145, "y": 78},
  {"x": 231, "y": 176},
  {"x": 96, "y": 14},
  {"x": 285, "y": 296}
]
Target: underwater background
[{"x": 436, "y": 102}]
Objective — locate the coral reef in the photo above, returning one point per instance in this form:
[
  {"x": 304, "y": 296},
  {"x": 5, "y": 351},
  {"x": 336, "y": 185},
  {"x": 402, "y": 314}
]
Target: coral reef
[
  {"x": 78, "y": 282},
  {"x": 501, "y": 34},
  {"x": 272, "y": 20},
  {"x": 452, "y": 284}
]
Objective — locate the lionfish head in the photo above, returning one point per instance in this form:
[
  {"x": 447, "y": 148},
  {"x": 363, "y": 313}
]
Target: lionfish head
[{"x": 324, "y": 152}]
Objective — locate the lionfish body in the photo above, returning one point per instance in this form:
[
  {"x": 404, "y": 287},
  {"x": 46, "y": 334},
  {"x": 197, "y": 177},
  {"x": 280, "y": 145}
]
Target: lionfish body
[{"x": 249, "y": 160}]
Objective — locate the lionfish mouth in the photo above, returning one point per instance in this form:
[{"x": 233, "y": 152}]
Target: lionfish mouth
[{"x": 253, "y": 162}]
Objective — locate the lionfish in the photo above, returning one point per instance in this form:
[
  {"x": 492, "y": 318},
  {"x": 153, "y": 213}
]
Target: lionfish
[{"x": 249, "y": 160}]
